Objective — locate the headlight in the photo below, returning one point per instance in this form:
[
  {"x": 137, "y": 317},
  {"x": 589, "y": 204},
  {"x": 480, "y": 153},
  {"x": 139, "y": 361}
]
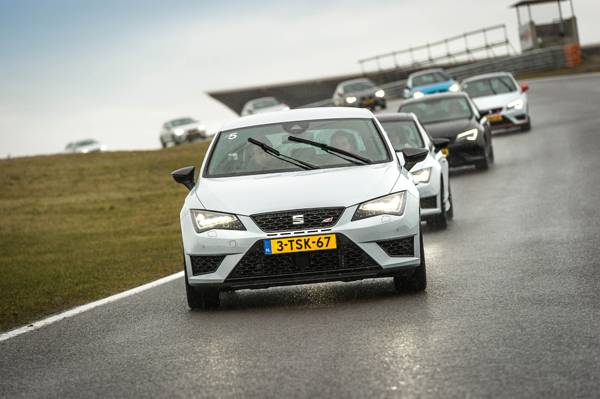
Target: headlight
[
  {"x": 469, "y": 135},
  {"x": 350, "y": 100},
  {"x": 518, "y": 104},
  {"x": 201, "y": 127},
  {"x": 103, "y": 148},
  {"x": 285, "y": 109},
  {"x": 422, "y": 176},
  {"x": 205, "y": 220},
  {"x": 379, "y": 93},
  {"x": 454, "y": 87},
  {"x": 418, "y": 94},
  {"x": 392, "y": 204},
  {"x": 179, "y": 132}
]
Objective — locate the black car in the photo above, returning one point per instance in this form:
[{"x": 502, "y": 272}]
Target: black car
[
  {"x": 360, "y": 93},
  {"x": 454, "y": 116}
]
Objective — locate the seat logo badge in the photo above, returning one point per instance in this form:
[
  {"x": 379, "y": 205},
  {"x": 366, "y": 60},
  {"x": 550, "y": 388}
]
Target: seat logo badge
[
  {"x": 298, "y": 219},
  {"x": 328, "y": 220}
]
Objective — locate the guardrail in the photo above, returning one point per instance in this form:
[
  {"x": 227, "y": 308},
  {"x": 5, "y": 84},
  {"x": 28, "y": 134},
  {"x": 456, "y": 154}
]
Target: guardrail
[{"x": 552, "y": 57}]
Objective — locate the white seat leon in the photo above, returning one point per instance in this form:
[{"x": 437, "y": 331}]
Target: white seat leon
[
  {"x": 405, "y": 131},
  {"x": 305, "y": 196}
]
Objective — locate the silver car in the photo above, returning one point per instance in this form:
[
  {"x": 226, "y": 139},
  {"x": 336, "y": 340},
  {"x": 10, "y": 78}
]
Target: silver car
[
  {"x": 85, "y": 146},
  {"x": 182, "y": 130},
  {"x": 264, "y": 104},
  {"x": 304, "y": 196},
  {"x": 361, "y": 93}
]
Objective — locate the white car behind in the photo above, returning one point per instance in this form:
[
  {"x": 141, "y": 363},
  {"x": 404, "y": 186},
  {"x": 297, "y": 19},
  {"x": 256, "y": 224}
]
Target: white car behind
[
  {"x": 499, "y": 97},
  {"x": 182, "y": 130},
  {"x": 405, "y": 131}
]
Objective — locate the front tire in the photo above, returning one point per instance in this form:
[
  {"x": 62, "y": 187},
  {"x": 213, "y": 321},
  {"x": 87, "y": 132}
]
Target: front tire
[
  {"x": 441, "y": 221},
  {"x": 417, "y": 282},
  {"x": 200, "y": 299},
  {"x": 526, "y": 127}
]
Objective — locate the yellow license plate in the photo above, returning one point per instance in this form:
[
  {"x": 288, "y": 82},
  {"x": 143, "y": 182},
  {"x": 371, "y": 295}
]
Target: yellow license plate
[
  {"x": 494, "y": 118},
  {"x": 445, "y": 151},
  {"x": 367, "y": 102},
  {"x": 300, "y": 244},
  {"x": 193, "y": 134}
]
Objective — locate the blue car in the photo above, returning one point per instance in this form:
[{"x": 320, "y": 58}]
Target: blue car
[{"x": 429, "y": 81}]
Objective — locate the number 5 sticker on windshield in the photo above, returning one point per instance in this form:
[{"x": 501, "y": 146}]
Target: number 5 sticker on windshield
[{"x": 232, "y": 136}]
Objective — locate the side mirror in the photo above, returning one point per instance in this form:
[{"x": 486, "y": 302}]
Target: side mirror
[
  {"x": 413, "y": 156},
  {"x": 524, "y": 87},
  {"x": 185, "y": 176},
  {"x": 440, "y": 143}
]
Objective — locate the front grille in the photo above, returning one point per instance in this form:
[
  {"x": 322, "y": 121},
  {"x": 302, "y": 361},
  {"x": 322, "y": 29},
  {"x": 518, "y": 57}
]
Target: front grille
[
  {"x": 429, "y": 202},
  {"x": 347, "y": 257},
  {"x": 492, "y": 111},
  {"x": 284, "y": 221},
  {"x": 205, "y": 264},
  {"x": 401, "y": 247}
]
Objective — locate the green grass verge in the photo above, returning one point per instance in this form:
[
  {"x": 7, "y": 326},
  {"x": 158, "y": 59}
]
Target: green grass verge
[{"x": 77, "y": 228}]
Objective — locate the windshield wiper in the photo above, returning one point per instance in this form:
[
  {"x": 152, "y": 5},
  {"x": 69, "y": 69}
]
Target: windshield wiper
[
  {"x": 333, "y": 150},
  {"x": 273, "y": 152}
]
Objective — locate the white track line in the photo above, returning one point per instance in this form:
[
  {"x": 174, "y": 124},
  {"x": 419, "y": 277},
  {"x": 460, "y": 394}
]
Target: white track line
[{"x": 83, "y": 308}]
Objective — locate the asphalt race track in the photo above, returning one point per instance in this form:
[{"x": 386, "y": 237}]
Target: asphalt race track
[{"x": 512, "y": 309}]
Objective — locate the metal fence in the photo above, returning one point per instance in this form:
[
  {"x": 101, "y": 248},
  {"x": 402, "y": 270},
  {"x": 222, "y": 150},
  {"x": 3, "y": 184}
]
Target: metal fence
[
  {"x": 489, "y": 42},
  {"x": 552, "y": 57}
]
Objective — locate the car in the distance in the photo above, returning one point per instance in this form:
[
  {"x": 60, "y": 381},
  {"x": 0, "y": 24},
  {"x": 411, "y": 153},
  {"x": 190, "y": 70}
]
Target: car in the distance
[
  {"x": 405, "y": 131},
  {"x": 501, "y": 99},
  {"x": 340, "y": 207},
  {"x": 182, "y": 130},
  {"x": 429, "y": 81},
  {"x": 361, "y": 93},
  {"x": 263, "y": 104},
  {"x": 455, "y": 117},
  {"x": 85, "y": 146}
]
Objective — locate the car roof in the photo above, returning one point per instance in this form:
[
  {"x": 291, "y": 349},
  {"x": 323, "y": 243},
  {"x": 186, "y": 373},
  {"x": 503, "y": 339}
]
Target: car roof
[
  {"x": 180, "y": 119},
  {"x": 297, "y": 115},
  {"x": 486, "y": 75},
  {"x": 398, "y": 116},
  {"x": 355, "y": 81},
  {"x": 426, "y": 71},
  {"x": 261, "y": 99},
  {"x": 456, "y": 94}
]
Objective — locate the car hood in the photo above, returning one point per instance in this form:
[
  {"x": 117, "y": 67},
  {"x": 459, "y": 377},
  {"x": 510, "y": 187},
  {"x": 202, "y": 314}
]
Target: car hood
[
  {"x": 434, "y": 87},
  {"x": 346, "y": 186},
  {"x": 496, "y": 101},
  {"x": 448, "y": 129},
  {"x": 366, "y": 92},
  {"x": 187, "y": 126}
]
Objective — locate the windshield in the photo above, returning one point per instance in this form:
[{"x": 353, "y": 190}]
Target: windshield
[
  {"x": 265, "y": 103},
  {"x": 439, "y": 110},
  {"x": 403, "y": 134},
  {"x": 358, "y": 86},
  {"x": 182, "y": 122},
  {"x": 234, "y": 155},
  {"x": 489, "y": 87},
  {"x": 430, "y": 78}
]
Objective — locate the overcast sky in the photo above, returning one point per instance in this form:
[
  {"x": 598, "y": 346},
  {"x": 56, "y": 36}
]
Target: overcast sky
[{"x": 115, "y": 70}]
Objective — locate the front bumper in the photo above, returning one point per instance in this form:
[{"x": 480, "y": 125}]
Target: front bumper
[
  {"x": 379, "y": 246},
  {"x": 465, "y": 153},
  {"x": 431, "y": 198},
  {"x": 508, "y": 118}
]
